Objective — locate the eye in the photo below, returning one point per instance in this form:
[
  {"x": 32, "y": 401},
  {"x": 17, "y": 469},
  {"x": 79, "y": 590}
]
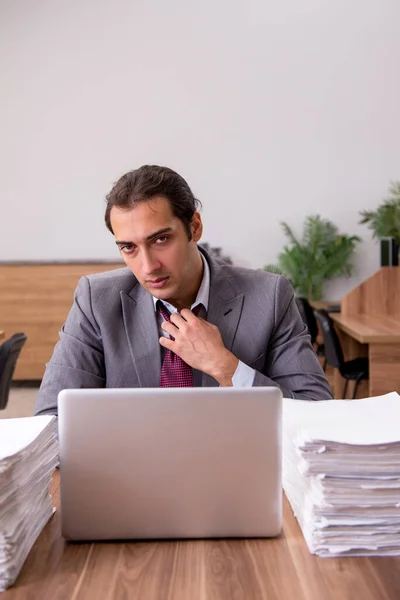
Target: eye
[
  {"x": 161, "y": 240},
  {"x": 127, "y": 249}
]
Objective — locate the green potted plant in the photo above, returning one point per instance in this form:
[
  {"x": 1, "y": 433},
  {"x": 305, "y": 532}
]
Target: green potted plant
[
  {"x": 385, "y": 221},
  {"x": 321, "y": 254}
]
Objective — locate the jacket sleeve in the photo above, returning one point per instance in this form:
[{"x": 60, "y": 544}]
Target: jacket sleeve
[
  {"x": 78, "y": 357},
  {"x": 291, "y": 362}
]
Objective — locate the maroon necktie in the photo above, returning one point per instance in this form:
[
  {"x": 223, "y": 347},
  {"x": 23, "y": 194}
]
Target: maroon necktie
[{"x": 174, "y": 371}]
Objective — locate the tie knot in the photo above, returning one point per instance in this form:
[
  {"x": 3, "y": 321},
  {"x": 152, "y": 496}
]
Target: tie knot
[{"x": 166, "y": 314}]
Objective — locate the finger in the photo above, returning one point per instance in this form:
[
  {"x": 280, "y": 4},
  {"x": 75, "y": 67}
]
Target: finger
[
  {"x": 191, "y": 319},
  {"x": 188, "y": 315},
  {"x": 167, "y": 343},
  {"x": 170, "y": 328},
  {"x": 178, "y": 320}
]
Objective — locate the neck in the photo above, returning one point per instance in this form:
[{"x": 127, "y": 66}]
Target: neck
[{"x": 190, "y": 296}]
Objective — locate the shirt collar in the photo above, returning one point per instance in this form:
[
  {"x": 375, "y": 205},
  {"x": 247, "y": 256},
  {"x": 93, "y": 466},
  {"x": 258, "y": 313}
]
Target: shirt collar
[{"x": 202, "y": 295}]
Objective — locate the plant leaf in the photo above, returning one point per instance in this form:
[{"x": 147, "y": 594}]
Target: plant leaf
[{"x": 321, "y": 254}]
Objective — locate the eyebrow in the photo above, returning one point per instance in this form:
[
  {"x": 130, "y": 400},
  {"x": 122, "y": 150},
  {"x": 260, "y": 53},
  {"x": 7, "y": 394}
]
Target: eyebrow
[{"x": 149, "y": 237}]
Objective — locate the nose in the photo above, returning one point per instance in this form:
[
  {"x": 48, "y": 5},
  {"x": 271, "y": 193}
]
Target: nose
[{"x": 150, "y": 263}]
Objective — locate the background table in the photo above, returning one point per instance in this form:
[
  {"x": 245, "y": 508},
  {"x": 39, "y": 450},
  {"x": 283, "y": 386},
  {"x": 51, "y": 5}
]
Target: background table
[
  {"x": 262, "y": 569},
  {"x": 369, "y": 325}
]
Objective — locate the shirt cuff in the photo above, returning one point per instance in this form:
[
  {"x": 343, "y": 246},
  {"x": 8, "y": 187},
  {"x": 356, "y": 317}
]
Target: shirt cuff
[{"x": 243, "y": 376}]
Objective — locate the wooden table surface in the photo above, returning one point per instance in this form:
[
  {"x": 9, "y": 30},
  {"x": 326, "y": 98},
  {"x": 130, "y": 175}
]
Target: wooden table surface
[
  {"x": 323, "y": 304},
  {"x": 262, "y": 569},
  {"x": 367, "y": 329}
]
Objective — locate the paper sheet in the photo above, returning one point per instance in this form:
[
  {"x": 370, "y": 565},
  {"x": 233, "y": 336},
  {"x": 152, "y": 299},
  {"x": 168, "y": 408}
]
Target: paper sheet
[{"x": 341, "y": 474}]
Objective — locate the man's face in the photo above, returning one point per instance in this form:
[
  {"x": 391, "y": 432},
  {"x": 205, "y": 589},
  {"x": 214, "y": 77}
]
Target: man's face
[{"x": 155, "y": 246}]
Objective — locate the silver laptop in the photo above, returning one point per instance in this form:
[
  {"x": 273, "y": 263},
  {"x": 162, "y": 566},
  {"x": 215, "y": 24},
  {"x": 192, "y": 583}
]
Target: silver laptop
[{"x": 170, "y": 463}]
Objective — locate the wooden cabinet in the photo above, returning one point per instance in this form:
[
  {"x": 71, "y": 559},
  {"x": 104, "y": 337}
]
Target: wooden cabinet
[{"x": 35, "y": 299}]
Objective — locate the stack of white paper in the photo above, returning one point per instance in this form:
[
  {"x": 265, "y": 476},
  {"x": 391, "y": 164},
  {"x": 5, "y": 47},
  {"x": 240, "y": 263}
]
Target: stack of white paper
[
  {"x": 28, "y": 456},
  {"x": 341, "y": 473}
]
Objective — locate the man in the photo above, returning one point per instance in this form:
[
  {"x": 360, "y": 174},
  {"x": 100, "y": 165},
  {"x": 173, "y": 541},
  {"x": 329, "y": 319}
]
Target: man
[{"x": 175, "y": 315}]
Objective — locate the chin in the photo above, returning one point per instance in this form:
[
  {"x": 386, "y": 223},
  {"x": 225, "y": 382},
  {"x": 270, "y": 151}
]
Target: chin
[{"x": 161, "y": 294}]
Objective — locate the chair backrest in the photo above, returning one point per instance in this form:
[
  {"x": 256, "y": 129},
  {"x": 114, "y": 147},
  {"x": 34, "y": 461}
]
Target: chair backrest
[
  {"x": 307, "y": 314},
  {"x": 9, "y": 352},
  {"x": 332, "y": 348}
]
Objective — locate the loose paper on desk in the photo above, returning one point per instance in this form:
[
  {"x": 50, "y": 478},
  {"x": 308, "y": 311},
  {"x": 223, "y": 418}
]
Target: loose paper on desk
[
  {"x": 341, "y": 473},
  {"x": 28, "y": 456}
]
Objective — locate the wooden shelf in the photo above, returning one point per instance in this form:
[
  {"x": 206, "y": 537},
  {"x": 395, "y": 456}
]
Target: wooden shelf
[{"x": 35, "y": 299}]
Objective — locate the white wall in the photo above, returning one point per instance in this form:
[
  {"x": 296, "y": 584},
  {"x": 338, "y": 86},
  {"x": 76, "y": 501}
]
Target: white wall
[{"x": 270, "y": 110}]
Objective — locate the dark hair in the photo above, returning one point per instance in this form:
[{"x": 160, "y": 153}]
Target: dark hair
[{"x": 148, "y": 181}]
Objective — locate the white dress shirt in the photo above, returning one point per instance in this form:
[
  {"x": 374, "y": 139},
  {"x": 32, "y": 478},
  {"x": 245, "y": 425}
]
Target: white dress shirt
[{"x": 244, "y": 375}]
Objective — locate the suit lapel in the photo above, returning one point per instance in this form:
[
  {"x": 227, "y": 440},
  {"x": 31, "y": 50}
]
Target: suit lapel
[
  {"x": 224, "y": 310},
  {"x": 142, "y": 334}
]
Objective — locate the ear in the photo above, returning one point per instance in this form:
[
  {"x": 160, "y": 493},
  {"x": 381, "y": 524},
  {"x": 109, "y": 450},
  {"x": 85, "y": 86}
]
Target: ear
[{"x": 196, "y": 226}]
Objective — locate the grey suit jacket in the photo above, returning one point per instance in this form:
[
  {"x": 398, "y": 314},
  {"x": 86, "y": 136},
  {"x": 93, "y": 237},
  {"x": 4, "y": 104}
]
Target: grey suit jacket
[{"x": 110, "y": 337}]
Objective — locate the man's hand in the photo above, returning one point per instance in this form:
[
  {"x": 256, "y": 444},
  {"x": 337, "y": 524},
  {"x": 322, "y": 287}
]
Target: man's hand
[{"x": 200, "y": 345}]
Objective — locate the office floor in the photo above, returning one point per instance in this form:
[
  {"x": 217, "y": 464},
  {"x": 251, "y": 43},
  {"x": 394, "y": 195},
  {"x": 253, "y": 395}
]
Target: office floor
[{"x": 22, "y": 399}]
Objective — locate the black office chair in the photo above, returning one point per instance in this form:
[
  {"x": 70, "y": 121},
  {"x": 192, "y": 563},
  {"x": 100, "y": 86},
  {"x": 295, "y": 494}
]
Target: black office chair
[
  {"x": 307, "y": 314},
  {"x": 9, "y": 352},
  {"x": 352, "y": 370}
]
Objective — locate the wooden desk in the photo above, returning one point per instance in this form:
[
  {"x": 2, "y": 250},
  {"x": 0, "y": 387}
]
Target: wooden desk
[
  {"x": 377, "y": 337},
  {"x": 369, "y": 325},
  {"x": 276, "y": 569},
  {"x": 369, "y": 329}
]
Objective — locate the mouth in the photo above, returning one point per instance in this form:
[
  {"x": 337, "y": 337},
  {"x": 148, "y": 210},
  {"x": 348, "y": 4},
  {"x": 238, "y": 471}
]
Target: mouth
[{"x": 157, "y": 283}]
